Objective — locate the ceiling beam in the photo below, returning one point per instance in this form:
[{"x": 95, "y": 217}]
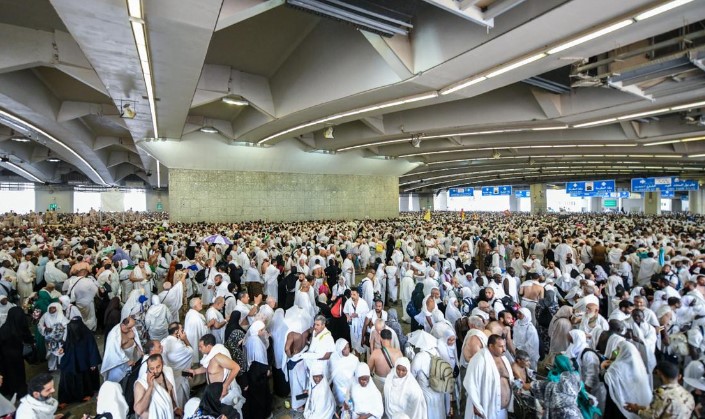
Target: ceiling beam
[
  {"x": 469, "y": 12},
  {"x": 236, "y": 11},
  {"x": 396, "y": 52}
]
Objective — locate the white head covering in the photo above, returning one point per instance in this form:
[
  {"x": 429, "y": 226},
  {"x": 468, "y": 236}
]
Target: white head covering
[
  {"x": 50, "y": 320},
  {"x": 255, "y": 348},
  {"x": 403, "y": 394},
  {"x": 579, "y": 344},
  {"x": 623, "y": 378},
  {"x": 111, "y": 400},
  {"x": 366, "y": 399}
]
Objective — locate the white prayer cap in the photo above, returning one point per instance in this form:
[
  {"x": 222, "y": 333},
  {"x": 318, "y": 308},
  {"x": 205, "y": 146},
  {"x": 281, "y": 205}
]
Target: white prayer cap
[{"x": 155, "y": 300}]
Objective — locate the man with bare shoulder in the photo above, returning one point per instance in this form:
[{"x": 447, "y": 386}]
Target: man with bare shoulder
[
  {"x": 382, "y": 359},
  {"x": 219, "y": 368},
  {"x": 296, "y": 367}
]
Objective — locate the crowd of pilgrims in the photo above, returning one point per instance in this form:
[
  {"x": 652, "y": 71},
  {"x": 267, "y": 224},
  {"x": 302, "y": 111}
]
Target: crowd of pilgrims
[{"x": 507, "y": 315}]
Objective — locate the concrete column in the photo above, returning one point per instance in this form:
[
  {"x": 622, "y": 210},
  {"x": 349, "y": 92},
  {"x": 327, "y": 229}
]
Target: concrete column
[
  {"x": 652, "y": 203},
  {"x": 513, "y": 203},
  {"x": 62, "y": 198},
  {"x": 695, "y": 202},
  {"x": 156, "y": 200},
  {"x": 426, "y": 201},
  {"x": 404, "y": 202},
  {"x": 442, "y": 201},
  {"x": 415, "y": 204},
  {"x": 595, "y": 204},
  {"x": 539, "y": 204},
  {"x": 676, "y": 205}
]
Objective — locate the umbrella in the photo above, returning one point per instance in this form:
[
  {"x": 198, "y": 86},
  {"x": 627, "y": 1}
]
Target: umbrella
[
  {"x": 217, "y": 239},
  {"x": 422, "y": 340}
]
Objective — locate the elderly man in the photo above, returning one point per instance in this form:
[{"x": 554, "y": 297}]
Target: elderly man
[
  {"x": 122, "y": 350},
  {"x": 322, "y": 344},
  {"x": 178, "y": 354},
  {"x": 215, "y": 320},
  {"x": 195, "y": 323}
]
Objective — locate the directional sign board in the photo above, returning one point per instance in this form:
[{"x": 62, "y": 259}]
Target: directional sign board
[
  {"x": 664, "y": 183},
  {"x": 668, "y": 194},
  {"x": 590, "y": 188},
  {"x": 624, "y": 194},
  {"x": 522, "y": 194},
  {"x": 496, "y": 190},
  {"x": 458, "y": 192}
]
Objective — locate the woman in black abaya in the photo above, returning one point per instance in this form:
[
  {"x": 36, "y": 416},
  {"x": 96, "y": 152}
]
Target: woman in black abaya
[
  {"x": 13, "y": 335},
  {"x": 80, "y": 375}
]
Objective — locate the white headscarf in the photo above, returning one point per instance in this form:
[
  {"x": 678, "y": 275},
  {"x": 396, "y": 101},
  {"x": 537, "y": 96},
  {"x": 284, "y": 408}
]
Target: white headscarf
[
  {"x": 403, "y": 394},
  {"x": 626, "y": 377},
  {"x": 452, "y": 312},
  {"x": 320, "y": 403},
  {"x": 50, "y": 320},
  {"x": 278, "y": 329},
  {"x": 442, "y": 332},
  {"x": 342, "y": 370},
  {"x": 579, "y": 344},
  {"x": 255, "y": 347},
  {"x": 111, "y": 400},
  {"x": 368, "y": 399}
]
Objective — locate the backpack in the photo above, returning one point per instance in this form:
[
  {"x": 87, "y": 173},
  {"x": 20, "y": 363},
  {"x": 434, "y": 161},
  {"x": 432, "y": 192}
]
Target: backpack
[
  {"x": 411, "y": 310},
  {"x": 359, "y": 286},
  {"x": 200, "y": 276},
  {"x": 337, "y": 310},
  {"x": 440, "y": 376},
  {"x": 488, "y": 260}
]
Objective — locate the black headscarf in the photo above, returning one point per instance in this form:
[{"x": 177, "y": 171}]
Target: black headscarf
[
  {"x": 417, "y": 295},
  {"x": 211, "y": 405},
  {"x": 16, "y": 327},
  {"x": 233, "y": 324}
]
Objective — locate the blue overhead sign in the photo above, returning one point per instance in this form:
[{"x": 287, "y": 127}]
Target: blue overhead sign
[
  {"x": 522, "y": 194},
  {"x": 664, "y": 183},
  {"x": 668, "y": 194},
  {"x": 496, "y": 190},
  {"x": 590, "y": 188},
  {"x": 458, "y": 192},
  {"x": 624, "y": 194}
]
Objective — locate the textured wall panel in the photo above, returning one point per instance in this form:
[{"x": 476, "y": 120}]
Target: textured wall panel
[{"x": 226, "y": 196}]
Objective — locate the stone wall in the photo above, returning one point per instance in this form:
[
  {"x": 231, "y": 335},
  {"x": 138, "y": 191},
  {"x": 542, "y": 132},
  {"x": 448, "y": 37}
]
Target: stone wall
[{"x": 227, "y": 196}]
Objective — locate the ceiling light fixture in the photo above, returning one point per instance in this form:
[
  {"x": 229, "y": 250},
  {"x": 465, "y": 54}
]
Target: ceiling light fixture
[
  {"x": 134, "y": 8},
  {"x": 696, "y": 155},
  {"x": 688, "y": 106},
  {"x": 20, "y": 139},
  {"x": 328, "y": 133},
  {"x": 208, "y": 130},
  {"x": 462, "y": 85},
  {"x": 642, "y": 114},
  {"x": 389, "y": 104},
  {"x": 516, "y": 65},
  {"x": 660, "y": 9},
  {"x": 21, "y": 170},
  {"x": 235, "y": 102},
  {"x": 550, "y": 128},
  {"x": 31, "y": 127},
  {"x": 53, "y": 160},
  {"x": 589, "y": 124},
  {"x": 681, "y": 140},
  {"x": 590, "y": 36}
]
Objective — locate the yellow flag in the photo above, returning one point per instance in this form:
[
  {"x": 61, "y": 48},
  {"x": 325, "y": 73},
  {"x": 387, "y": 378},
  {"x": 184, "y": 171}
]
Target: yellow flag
[
  {"x": 427, "y": 216},
  {"x": 462, "y": 214}
]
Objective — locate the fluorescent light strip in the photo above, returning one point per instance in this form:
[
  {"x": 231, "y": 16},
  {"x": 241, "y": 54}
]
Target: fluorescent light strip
[
  {"x": 403, "y": 101},
  {"x": 589, "y": 124},
  {"x": 516, "y": 65},
  {"x": 463, "y": 85},
  {"x": 696, "y": 155},
  {"x": 134, "y": 8},
  {"x": 159, "y": 176},
  {"x": 681, "y": 140},
  {"x": 590, "y": 36},
  {"x": 52, "y": 138},
  {"x": 660, "y": 9},
  {"x": 401, "y": 140},
  {"x": 641, "y": 114},
  {"x": 19, "y": 169}
]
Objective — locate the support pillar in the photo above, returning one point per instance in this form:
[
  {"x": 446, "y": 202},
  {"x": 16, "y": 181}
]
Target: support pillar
[
  {"x": 676, "y": 205},
  {"x": 652, "y": 203},
  {"x": 513, "y": 203},
  {"x": 695, "y": 202},
  {"x": 595, "y": 204},
  {"x": 426, "y": 201},
  {"x": 404, "y": 202},
  {"x": 442, "y": 201},
  {"x": 539, "y": 203}
]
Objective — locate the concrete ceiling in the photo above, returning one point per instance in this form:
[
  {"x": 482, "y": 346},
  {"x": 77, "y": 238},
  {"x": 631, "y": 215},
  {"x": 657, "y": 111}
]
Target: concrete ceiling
[{"x": 78, "y": 64}]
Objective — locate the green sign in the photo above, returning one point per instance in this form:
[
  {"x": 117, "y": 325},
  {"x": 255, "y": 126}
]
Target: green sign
[
  {"x": 160, "y": 207},
  {"x": 609, "y": 203},
  {"x": 53, "y": 207}
]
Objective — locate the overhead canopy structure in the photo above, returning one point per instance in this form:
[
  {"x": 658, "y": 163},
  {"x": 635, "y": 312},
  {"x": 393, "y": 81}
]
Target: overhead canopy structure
[{"x": 442, "y": 93}]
